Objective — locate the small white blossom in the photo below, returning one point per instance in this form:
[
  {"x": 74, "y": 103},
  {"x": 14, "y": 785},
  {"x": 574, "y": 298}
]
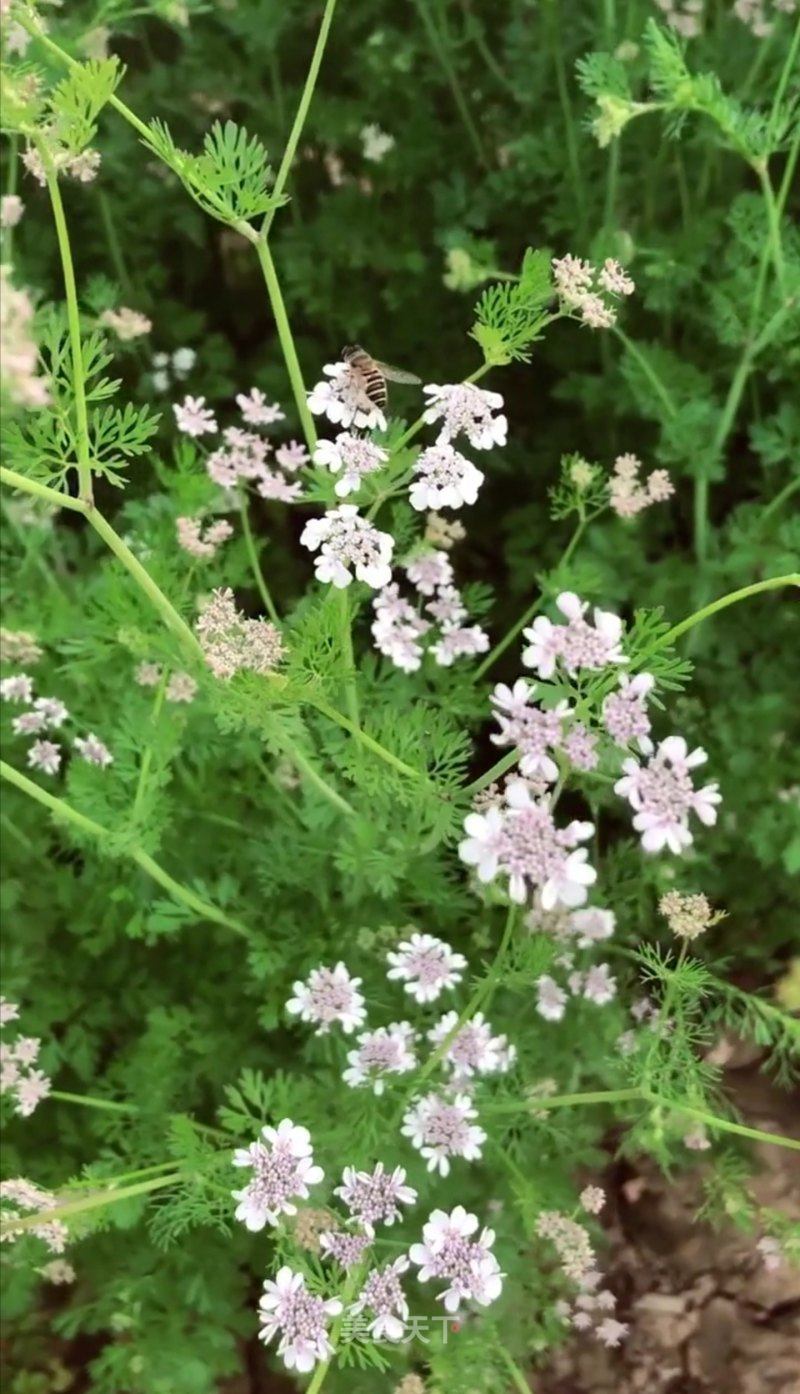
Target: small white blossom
[
  {"x": 426, "y": 966},
  {"x": 343, "y": 399},
  {"x": 344, "y": 539},
  {"x": 45, "y": 756},
  {"x": 383, "y": 1295},
  {"x": 592, "y": 1198},
  {"x": 288, "y": 1309},
  {"x": 256, "y": 410},
  {"x": 522, "y": 842},
  {"x": 575, "y": 644},
  {"x": 662, "y": 795},
  {"x": 448, "y": 1251},
  {"x": 11, "y": 210},
  {"x": 430, "y": 570},
  {"x": 291, "y": 456},
  {"x": 375, "y": 143},
  {"x": 465, "y": 409},
  {"x": 459, "y": 642},
  {"x": 375, "y": 1197},
  {"x": 550, "y": 998},
  {"x": 351, "y": 457},
  {"x": 444, "y": 479},
  {"x": 17, "y": 688},
  {"x": 53, "y": 711},
  {"x": 194, "y": 418},
  {"x": 625, "y": 711},
  {"x": 183, "y": 360},
  {"x": 282, "y": 1163},
  {"x": 442, "y": 1128},
  {"x": 386, "y": 1051},
  {"x": 329, "y": 995},
  {"x": 92, "y": 749},
  {"x": 473, "y": 1050}
]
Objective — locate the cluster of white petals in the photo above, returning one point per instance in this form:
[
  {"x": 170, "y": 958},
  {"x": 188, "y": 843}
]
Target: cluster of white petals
[
  {"x": 467, "y": 410},
  {"x": 576, "y": 643},
  {"x": 329, "y": 997},
  {"x": 590, "y": 291},
  {"x": 662, "y": 795},
  {"x": 19, "y": 1078},
  {"x": 398, "y": 628},
  {"x": 473, "y": 1049},
  {"x": 388, "y": 1050},
  {"x": 231, "y": 642},
  {"x": 347, "y": 544},
  {"x": 282, "y": 1163},
  {"x": 351, "y": 458},
  {"x": 202, "y": 542},
  {"x": 48, "y": 714},
  {"x": 450, "y": 1252},
  {"x": 426, "y": 966},
  {"x": 444, "y": 478},
  {"x": 127, "y": 324},
  {"x": 194, "y": 418},
  {"x": 375, "y": 1197},
  {"x": 442, "y": 1127},
  {"x": 382, "y": 1295},
  {"x": 625, "y": 714},
  {"x": 518, "y": 839},
  {"x": 20, "y": 1198},
  {"x": 287, "y": 1309}
]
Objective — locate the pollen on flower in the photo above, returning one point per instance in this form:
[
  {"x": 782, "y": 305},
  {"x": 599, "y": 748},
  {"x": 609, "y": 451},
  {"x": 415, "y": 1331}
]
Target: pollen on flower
[{"x": 231, "y": 642}]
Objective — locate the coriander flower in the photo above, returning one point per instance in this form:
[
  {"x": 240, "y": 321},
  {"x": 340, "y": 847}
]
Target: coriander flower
[
  {"x": 522, "y": 842},
  {"x": 11, "y": 210},
  {"x": 458, "y": 641},
  {"x": 592, "y": 925},
  {"x": 615, "y": 279},
  {"x": 426, "y": 966},
  {"x": 92, "y": 749},
  {"x": 662, "y": 795},
  {"x": 20, "y": 1197},
  {"x": 183, "y": 360},
  {"x": 375, "y": 143},
  {"x": 256, "y": 410},
  {"x": 127, "y": 324},
  {"x": 273, "y": 485},
  {"x": 181, "y": 688},
  {"x": 199, "y": 541},
  {"x": 45, "y": 756},
  {"x": 345, "y": 1248},
  {"x": 231, "y": 642},
  {"x": 329, "y": 995},
  {"x": 575, "y": 644},
  {"x": 351, "y": 455},
  {"x": 343, "y": 399},
  {"x": 375, "y": 1197},
  {"x": 147, "y": 674},
  {"x": 550, "y": 998},
  {"x": 473, "y": 1050},
  {"x": 288, "y": 1309},
  {"x": 344, "y": 540},
  {"x": 283, "y": 1168},
  {"x": 385, "y": 1051},
  {"x": 18, "y": 646},
  {"x": 429, "y": 570},
  {"x": 194, "y": 418},
  {"x": 448, "y": 1251},
  {"x": 52, "y": 711},
  {"x": 441, "y": 1128},
  {"x": 533, "y": 730},
  {"x": 17, "y": 688},
  {"x": 397, "y": 629},
  {"x": 445, "y": 479},
  {"x": 464, "y": 409},
  {"x": 291, "y": 456},
  {"x": 625, "y": 712},
  {"x": 383, "y": 1295}
]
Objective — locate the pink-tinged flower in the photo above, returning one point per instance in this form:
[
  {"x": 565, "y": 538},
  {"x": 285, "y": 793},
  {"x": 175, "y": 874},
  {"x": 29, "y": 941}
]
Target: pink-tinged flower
[
  {"x": 442, "y": 1128},
  {"x": 383, "y": 1296},
  {"x": 343, "y": 399},
  {"x": 473, "y": 1050},
  {"x": 615, "y": 279},
  {"x": 181, "y": 688},
  {"x": 551, "y": 999},
  {"x": 26, "y": 1049},
  {"x": 447, "y": 608},
  {"x": 464, "y": 409},
  {"x": 30, "y": 1090},
  {"x": 202, "y": 542},
  {"x": 345, "y": 540},
  {"x": 598, "y": 985},
  {"x": 58, "y": 1271},
  {"x": 292, "y": 456},
  {"x": 288, "y": 1309},
  {"x": 53, "y": 711},
  {"x": 283, "y": 1169},
  {"x": 397, "y": 629},
  {"x": 592, "y": 925},
  {"x": 256, "y": 410},
  {"x": 276, "y": 487},
  {"x": 386, "y": 1051},
  {"x": 127, "y": 324},
  {"x": 17, "y": 688},
  {"x": 611, "y": 1332},
  {"x": 9, "y": 1011},
  {"x": 375, "y": 1197},
  {"x": 592, "y": 1199},
  {"x": 523, "y": 843},
  {"x": 448, "y": 1251},
  {"x": 231, "y": 642},
  {"x": 194, "y": 418},
  {"x": 29, "y": 724},
  {"x": 92, "y": 749},
  {"x": 329, "y": 996},
  {"x": 20, "y": 1197},
  {"x": 45, "y": 756},
  {"x": 444, "y": 479},
  {"x": 573, "y": 278},
  {"x": 345, "y": 1248},
  {"x": 11, "y": 210},
  {"x": 426, "y": 966},
  {"x": 532, "y": 729},
  {"x": 147, "y": 674},
  {"x": 430, "y": 570},
  {"x": 625, "y": 711},
  {"x": 580, "y": 747},
  {"x": 576, "y": 644},
  {"x": 352, "y": 458},
  {"x": 459, "y": 642},
  {"x": 662, "y": 795}
]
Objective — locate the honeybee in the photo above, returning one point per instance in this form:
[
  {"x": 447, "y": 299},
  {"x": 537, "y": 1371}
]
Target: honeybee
[{"x": 373, "y": 374}]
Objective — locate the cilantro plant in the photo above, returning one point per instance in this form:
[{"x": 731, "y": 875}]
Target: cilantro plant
[{"x": 398, "y": 784}]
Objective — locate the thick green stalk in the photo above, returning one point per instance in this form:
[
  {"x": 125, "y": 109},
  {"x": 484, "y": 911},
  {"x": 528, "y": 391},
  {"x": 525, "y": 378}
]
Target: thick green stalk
[
  {"x": 74, "y": 325},
  {"x": 366, "y": 740},
  {"x": 183, "y": 894},
  {"x": 255, "y": 566},
  {"x": 302, "y": 111},
  {"x": 722, "y": 603},
  {"x": 86, "y": 1101},
  {"x": 286, "y": 342}
]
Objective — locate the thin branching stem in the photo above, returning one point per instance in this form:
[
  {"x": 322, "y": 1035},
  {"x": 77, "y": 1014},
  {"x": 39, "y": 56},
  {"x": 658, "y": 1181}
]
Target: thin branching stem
[{"x": 255, "y": 565}]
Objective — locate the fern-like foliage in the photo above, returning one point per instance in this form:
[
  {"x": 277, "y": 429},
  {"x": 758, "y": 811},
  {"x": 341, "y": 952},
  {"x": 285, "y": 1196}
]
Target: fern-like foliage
[
  {"x": 511, "y": 315},
  {"x": 230, "y": 180}
]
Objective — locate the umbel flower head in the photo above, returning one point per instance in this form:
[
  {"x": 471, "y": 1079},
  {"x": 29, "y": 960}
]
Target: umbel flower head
[
  {"x": 383, "y": 1296},
  {"x": 467, "y": 410},
  {"x": 288, "y": 1309},
  {"x": 386, "y": 1051},
  {"x": 20, "y": 1197},
  {"x": 351, "y": 458},
  {"x": 282, "y": 1163},
  {"x": 473, "y": 1050},
  {"x": 231, "y": 642},
  {"x": 590, "y": 292},
  {"x": 444, "y": 478},
  {"x": 426, "y": 966},
  {"x": 448, "y": 1251},
  {"x": 441, "y": 1128},
  {"x": 576, "y": 643},
  {"x": 520, "y": 840},
  {"x": 347, "y": 542},
  {"x": 662, "y": 795},
  {"x": 375, "y": 1197},
  {"x": 329, "y": 996}
]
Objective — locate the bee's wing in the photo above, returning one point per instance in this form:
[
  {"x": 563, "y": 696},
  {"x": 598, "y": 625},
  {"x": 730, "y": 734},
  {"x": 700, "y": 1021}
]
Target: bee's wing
[{"x": 397, "y": 374}]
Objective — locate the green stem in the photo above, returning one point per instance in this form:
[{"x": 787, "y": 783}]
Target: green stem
[
  {"x": 286, "y": 342},
  {"x": 732, "y": 598},
  {"x": 779, "y": 500},
  {"x": 94, "y": 1202},
  {"x": 500, "y": 648},
  {"x": 351, "y": 1286},
  {"x": 517, "y": 1378},
  {"x": 439, "y": 47},
  {"x": 114, "y": 248},
  {"x": 773, "y": 223},
  {"x": 86, "y": 1101},
  {"x": 345, "y": 630},
  {"x": 302, "y": 111},
  {"x": 255, "y": 566},
  {"x": 500, "y": 767},
  {"x": 328, "y": 792},
  {"x": 725, "y": 1125},
  {"x": 183, "y": 894},
  {"x": 147, "y": 758},
  {"x": 366, "y": 740},
  {"x": 41, "y": 491},
  {"x": 74, "y": 325},
  {"x": 648, "y": 370},
  {"x": 595, "y": 1096},
  {"x": 573, "y": 149}
]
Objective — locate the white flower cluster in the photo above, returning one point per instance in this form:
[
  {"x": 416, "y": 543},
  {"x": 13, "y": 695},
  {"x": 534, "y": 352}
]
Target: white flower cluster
[
  {"x": 18, "y": 1077},
  {"x": 661, "y": 793},
  {"x": 518, "y": 839},
  {"x": 539, "y": 733},
  {"x": 398, "y": 628},
  {"x": 347, "y": 544},
  {"x": 629, "y": 494},
  {"x": 242, "y": 459},
  {"x": 45, "y": 714},
  {"x": 172, "y": 367},
  {"x": 590, "y": 292},
  {"x": 20, "y": 1198},
  {"x": 181, "y": 687},
  {"x": 591, "y": 1308}
]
